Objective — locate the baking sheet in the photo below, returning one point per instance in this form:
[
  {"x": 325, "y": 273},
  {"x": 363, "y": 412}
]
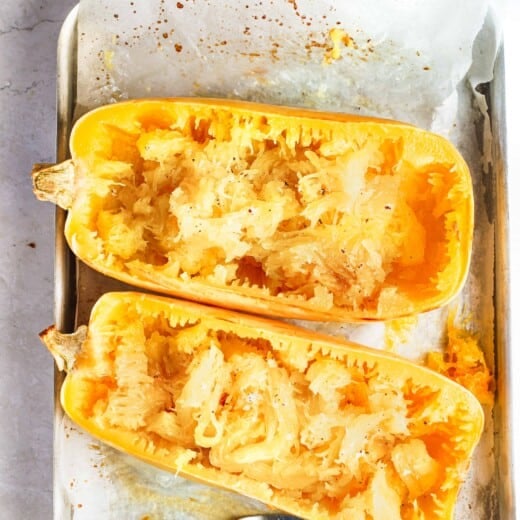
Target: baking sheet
[{"x": 122, "y": 50}]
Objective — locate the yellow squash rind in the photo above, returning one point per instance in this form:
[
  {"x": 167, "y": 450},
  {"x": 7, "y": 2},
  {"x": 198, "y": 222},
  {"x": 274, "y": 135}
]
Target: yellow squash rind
[
  {"x": 420, "y": 427},
  {"x": 270, "y": 210}
]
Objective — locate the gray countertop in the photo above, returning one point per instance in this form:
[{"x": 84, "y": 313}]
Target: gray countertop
[{"x": 28, "y": 36}]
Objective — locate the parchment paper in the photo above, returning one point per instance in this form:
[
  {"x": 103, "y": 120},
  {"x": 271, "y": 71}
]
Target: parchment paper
[{"x": 417, "y": 61}]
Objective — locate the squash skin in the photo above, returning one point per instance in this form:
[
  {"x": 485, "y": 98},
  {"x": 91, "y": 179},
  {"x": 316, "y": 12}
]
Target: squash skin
[
  {"x": 443, "y": 277},
  {"x": 458, "y": 407}
]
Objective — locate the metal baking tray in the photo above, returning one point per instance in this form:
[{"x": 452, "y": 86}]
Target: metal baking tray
[{"x": 77, "y": 287}]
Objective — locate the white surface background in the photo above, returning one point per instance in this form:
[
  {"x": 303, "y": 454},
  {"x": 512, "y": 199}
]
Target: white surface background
[{"x": 28, "y": 34}]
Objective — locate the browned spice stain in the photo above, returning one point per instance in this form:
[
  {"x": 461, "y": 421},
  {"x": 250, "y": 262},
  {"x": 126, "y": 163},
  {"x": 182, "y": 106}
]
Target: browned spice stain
[
  {"x": 426, "y": 68},
  {"x": 180, "y": 5},
  {"x": 315, "y": 44},
  {"x": 178, "y": 47},
  {"x": 165, "y": 36},
  {"x": 80, "y": 506},
  {"x": 32, "y": 245},
  {"x": 275, "y": 46}
]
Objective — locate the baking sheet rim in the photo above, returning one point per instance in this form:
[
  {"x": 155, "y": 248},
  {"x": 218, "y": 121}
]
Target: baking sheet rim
[{"x": 65, "y": 273}]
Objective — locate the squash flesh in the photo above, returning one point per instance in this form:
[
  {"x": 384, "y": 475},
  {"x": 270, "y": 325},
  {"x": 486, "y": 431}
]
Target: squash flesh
[
  {"x": 286, "y": 212},
  {"x": 316, "y": 427}
]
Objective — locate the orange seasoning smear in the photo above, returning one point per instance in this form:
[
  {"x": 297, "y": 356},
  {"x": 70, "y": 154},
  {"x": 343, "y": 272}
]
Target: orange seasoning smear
[
  {"x": 339, "y": 38},
  {"x": 464, "y": 362}
]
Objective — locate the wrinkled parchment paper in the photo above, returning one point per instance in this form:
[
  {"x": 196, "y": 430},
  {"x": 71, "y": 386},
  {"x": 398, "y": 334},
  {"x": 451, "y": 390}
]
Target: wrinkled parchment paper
[{"x": 417, "y": 61}]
